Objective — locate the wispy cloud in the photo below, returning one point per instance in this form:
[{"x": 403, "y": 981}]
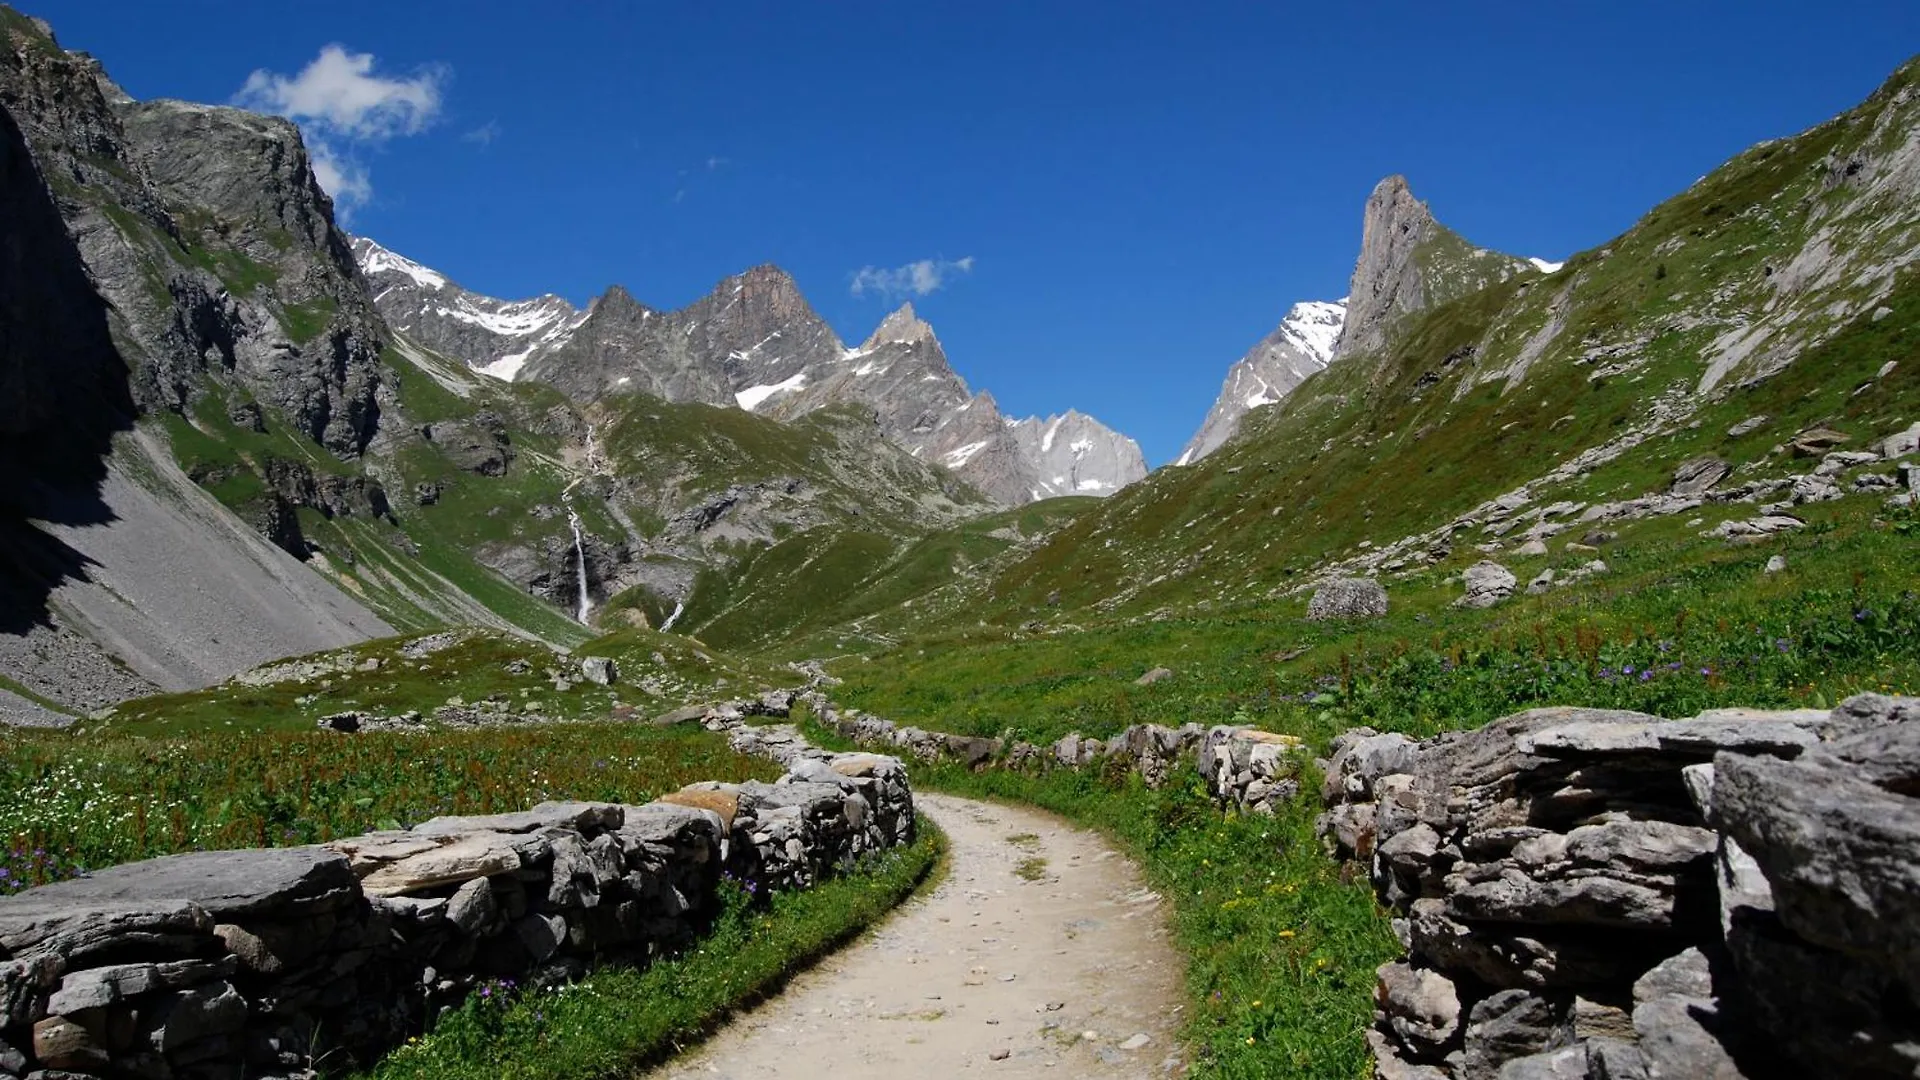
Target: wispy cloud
[
  {"x": 483, "y": 135},
  {"x": 342, "y": 105},
  {"x": 913, "y": 279}
]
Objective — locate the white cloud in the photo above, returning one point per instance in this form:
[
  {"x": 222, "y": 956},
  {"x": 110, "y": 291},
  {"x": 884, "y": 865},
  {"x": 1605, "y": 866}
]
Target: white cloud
[
  {"x": 342, "y": 105},
  {"x": 915, "y": 278},
  {"x": 484, "y": 134},
  {"x": 339, "y": 93}
]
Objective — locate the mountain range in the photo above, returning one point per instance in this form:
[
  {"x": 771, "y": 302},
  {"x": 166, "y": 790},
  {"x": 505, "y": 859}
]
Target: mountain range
[{"x": 755, "y": 342}]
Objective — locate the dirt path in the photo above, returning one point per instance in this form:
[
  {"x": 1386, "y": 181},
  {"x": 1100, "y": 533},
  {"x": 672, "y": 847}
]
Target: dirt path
[{"x": 1043, "y": 954}]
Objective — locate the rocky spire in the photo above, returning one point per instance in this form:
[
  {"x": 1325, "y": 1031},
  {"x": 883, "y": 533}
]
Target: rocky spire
[
  {"x": 903, "y": 327},
  {"x": 1386, "y": 279}
]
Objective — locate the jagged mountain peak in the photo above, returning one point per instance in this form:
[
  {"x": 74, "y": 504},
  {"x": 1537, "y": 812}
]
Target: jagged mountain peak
[
  {"x": 904, "y": 327},
  {"x": 1302, "y": 344}
]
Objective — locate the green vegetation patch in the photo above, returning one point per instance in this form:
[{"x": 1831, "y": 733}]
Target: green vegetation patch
[{"x": 69, "y": 802}]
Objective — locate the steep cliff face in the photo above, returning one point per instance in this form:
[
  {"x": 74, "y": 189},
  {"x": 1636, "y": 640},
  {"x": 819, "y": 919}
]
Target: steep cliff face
[
  {"x": 1301, "y": 345},
  {"x": 204, "y": 231},
  {"x": 1074, "y": 454},
  {"x": 157, "y": 258}
]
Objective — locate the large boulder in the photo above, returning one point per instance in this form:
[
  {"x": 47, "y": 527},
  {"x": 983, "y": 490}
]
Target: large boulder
[
  {"x": 1487, "y": 583},
  {"x": 1348, "y": 598}
]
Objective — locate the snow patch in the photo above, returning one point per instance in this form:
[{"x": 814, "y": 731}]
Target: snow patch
[
  {"x": 1046, "y": 441},
  {"x": 379, "y": 260},
  {"x": 507, "y": 368},
  {"x": 1313, "y": 326},
  {"x": 953, "y": 459},
  {"x": 751, "y": 398},
  {"x": 1545, "y": 266},
  {"x": 1093, "y": 485}
]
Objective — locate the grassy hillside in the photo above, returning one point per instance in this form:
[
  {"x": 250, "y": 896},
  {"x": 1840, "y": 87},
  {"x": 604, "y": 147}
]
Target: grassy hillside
[{"x": 1777, "y": 286}]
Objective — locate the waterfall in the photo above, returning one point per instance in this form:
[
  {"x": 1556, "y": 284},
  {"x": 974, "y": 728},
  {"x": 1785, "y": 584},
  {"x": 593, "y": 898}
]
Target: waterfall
[
  {"x": 678, "y": 607},
  {"x": 585, "y": 607}
]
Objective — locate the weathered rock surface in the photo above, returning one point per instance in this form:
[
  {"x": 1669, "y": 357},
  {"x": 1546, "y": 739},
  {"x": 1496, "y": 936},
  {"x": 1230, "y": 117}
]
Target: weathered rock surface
[
  {"x": 1348, "y": 598},
  {"x": 1610, "y": 894},
  {"x": 1487, "y": 584}
]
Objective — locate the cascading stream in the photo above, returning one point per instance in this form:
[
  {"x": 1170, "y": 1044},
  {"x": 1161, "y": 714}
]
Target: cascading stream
[
  {"x": 585, "y": 605},
  {"x": 678, "y": 607}
]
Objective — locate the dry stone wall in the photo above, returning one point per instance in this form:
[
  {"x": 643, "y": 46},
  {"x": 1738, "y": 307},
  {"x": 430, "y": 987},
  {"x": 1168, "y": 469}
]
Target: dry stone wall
[
  {"x": 1243, "y": 767},
  {"x": 287, "y": 962},
  {"x": 1610, "y": 895}
]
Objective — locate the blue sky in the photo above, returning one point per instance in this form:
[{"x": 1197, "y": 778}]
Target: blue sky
[{"x": 1139, "y": 190}]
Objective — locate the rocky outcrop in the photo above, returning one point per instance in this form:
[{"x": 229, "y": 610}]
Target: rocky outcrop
[
  {"x": 205, "y": 232},
  {"x": 267, "y": 963},
  {"x": 1409, "y": 262},
  {"x": 1592, "y": 893},
  {"x": 1301, "y": 345}
]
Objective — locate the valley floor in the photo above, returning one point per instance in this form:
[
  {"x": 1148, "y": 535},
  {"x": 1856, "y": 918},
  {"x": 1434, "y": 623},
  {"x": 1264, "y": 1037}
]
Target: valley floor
[{"x": 1040, "y": 935}]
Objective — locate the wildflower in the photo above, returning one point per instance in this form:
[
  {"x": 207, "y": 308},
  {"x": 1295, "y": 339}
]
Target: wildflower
[{"x": 1286, "y": 933}]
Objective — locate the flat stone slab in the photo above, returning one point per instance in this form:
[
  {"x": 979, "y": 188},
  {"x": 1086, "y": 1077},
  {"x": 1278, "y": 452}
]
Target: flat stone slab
[
  {"x": 460, "y": 859},
  {"x": 233, "y": 886},
  {"x": 1734, "y": 731},
  {"x": 32, "y": 924},
  {"x": 670, "y": 824},
  {"x": 581, "y": 817}
]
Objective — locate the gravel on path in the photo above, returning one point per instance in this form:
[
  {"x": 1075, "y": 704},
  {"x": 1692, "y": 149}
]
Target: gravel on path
[{"x": 1042, "y": 954}]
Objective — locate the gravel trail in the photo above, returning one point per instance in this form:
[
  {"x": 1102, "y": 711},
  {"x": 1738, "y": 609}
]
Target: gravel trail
[{"x": 1043, "y": 954}]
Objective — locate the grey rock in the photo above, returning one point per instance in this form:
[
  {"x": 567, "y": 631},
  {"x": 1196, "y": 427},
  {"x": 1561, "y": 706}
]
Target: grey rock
[
  {"x": 189, "y": 1016},
  {"x": 542, "y": 935},
  {"x": 1391, "y": 280},
  {"x": 1750, "y": 424},
  {"x": 229, "y": 885},
  {"x": 1677, "y": 1041},
  {"x": 599, "y": 670},
  {"x": 1615, "y": 1059},
  {"x": 1567, "y": 1063},
  {"x": 1348, "y": 598},
  {"x": 1685, "y": 974},
  {"x": 1421, "y": 1006},
  {"x": 1697, "y": 476},
  {"x": 1836, "y": 837},
  {"x": 1511, "y": 1024},
  {"x": 1487, "y": 583},
  {"x": 583, "y": 817},
  {"x": 1776, "y": 563},
  {"x": 97, "y": 988}
]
